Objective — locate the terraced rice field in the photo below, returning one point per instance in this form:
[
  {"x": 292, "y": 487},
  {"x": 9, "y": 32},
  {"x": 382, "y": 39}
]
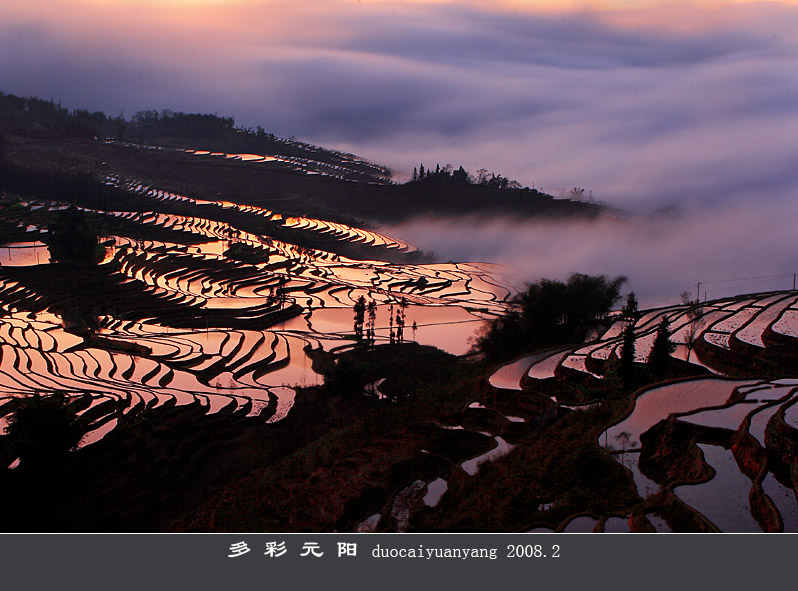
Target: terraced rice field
[
  {"x": 707, "y": 335},
  {"x": 658, "y": 403},
  {"x": 709, "y": 405},
  {"x": 733, "y": 421},
  {"x": 184, "y": 320},
  {"x": 723, "y": 499},
  {"x": 509, "y": 376},
  {"x": 502, "y": 447},
  {"x": 345, "y": 166},
  {"x": 221, "y": 306},
  {"x": 315, "y": 161}
]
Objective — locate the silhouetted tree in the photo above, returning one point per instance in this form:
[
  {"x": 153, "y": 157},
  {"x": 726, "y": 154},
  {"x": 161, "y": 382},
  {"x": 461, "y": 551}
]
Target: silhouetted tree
[
  {"x": 360, "y": 314},
  {"x": 43, "y": 430},
  {"x": 372, "y": 322},
  {"x": 549, "y": 313},
  {"x": 630, "y": 312},
  {"x": 282, "y": 292},
  {"x": 660, "y": 357},
  {"x": 71, "y": 238},
  {"x": 628, "y": 351},
  {"x": 694, "y": 323},
  {"x": 392, "y": 334},
  {"x": 460, "y": 175},
  {"x": 630, "y": 315},
  {"x": 400, "y": 320}
]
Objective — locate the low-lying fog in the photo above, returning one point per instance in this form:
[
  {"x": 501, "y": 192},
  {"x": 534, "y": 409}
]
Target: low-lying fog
[{"x": 730, "y": 251}]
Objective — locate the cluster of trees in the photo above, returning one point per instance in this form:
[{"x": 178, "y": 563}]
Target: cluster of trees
[
  {"x": 361, "y": 308},
  {"x": 660, "y": 354},
  {"x": 30, "y": 115},
  {"x": 37, "y": 117},
  {"x": 278, "y": 295},
  {"x": 659, "y": 359},
  {"x": 446, "y": 173},
  {"x": 462, "y": 176},
  {"x": 365, "y": 321},
  {"x": 550, "y": 313},
  {"x": 71, "y": 238},
  {"x": 578, "y": 194},
  {"x": 178, "y": 124}
]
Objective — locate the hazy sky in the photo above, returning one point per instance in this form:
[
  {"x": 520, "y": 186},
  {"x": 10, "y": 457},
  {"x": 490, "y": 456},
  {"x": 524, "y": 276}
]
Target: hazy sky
[{"x": 644, "y": 103}]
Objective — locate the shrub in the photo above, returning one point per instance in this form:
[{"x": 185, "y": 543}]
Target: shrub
[
  {"x": 43, "y": 430},
  {"x": 71, "y": 238}
]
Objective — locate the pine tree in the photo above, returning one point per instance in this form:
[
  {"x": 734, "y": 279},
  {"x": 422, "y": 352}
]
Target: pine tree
[
  {"x": 282, "y": 291},
  {"x": 631, "y": 313},
  {"x": 421, "y": 173},
  {"x": 415, "y": 173},
  {"x": 392, "y": 334},
  {"x": 460, "y": 175},
  {"x": 660, "y": 356},
  {"x": 628, "y": 354},
  {"x": 360, "y": 313},
  {"x": 400, "y": 320},
  {"x": 372, "y": 322}
]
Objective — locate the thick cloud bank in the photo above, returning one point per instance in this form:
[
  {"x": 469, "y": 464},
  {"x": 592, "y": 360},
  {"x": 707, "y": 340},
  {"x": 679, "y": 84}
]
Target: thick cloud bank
[{"x": 730, "y": 250}]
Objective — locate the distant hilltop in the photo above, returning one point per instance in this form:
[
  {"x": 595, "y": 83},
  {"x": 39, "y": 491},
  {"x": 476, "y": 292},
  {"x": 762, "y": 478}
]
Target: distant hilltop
[
  {"x": 207, "y": 157},
  {"x": 42, "y": 118}
]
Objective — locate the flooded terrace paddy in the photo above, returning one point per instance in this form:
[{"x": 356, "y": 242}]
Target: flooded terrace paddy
[
  {"x": 24, "y": 254},
  {"x": 723, "y": 499},
  {"x": 658, "y": 403},
  {"x": 711, "y": 408},
  {"x": 231, "y": 332}
]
